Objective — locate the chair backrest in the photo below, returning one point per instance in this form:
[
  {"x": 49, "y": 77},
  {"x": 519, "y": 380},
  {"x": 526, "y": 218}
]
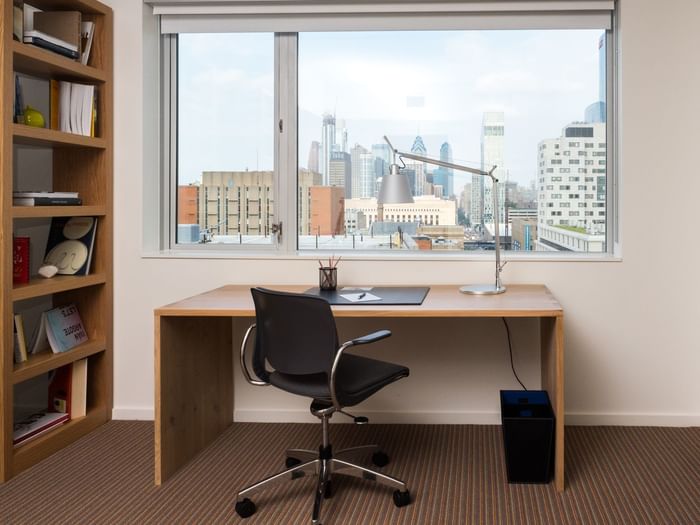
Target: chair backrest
[{"x": 295, "y": 333}]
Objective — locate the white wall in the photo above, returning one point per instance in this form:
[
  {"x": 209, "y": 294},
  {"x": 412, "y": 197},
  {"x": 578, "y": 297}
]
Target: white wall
[{"x": 632, "y": 350}]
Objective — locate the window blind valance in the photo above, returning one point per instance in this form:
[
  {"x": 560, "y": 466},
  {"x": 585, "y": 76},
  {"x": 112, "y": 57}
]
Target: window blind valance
[{"x": 215, "y": 16}]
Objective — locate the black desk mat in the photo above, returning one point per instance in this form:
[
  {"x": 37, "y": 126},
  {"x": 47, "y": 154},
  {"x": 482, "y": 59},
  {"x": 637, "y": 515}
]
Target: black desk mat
[{"x": 396, "y": 295}]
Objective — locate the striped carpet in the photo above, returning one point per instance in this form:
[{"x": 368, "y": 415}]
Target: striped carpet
[{"x": 624, "y": 475}]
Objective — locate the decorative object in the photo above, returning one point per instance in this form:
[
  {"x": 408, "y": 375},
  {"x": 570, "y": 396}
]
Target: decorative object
[
  {"x": 478, "y": 289},
  {"x": 33, "y": 117}
]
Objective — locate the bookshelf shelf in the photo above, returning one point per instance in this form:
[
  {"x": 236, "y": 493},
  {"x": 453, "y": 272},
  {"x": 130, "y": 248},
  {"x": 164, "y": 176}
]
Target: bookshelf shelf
[
  {"x": 29, "y": 212},
  {"x": 38, "y": 286},
  {"x": 31, "y": 136},
  {"x": 26, "y": 455},
  {"x": 62, "y": 162},
  {"x": 46, "y": 361},
  {"x": 32, "y": 60}
]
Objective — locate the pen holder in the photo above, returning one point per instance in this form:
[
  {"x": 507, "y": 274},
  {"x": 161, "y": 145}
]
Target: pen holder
[{"x": 327, "y": 278}]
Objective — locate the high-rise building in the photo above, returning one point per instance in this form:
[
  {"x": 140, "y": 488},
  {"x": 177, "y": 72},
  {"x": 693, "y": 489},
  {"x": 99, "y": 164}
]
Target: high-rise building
[
  {"x": 571, "y": 188},
  {"x": 341, "y": 137},
  {"x": 596, "y": 112},
  {"x": 417, "y": 166},
  {"x": 445, "y": 176},
  {"x": 341, "y": 172},
  {"x": 492, "y": 154},
  {"x": 383, "y": 153},
  {"x": 363, "y": 172},
  {"x": 314, "y": 152},
  {"x": 328, "y": 145}
]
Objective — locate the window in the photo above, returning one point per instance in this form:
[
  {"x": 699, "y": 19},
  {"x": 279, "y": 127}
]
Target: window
[{"x": 276, "y": 123}]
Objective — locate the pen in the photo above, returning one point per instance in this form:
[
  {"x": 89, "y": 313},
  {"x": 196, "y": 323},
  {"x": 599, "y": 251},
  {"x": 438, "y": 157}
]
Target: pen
[{"x": 361, "y": 295}]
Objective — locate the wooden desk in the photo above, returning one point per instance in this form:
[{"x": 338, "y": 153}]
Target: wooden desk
[{"x": 194, "y": 358}]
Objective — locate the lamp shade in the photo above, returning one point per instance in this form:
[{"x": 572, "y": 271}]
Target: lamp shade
[{"x": 395, "y": 188}]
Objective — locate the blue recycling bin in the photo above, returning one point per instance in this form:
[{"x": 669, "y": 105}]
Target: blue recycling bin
[{"x": 527, "y": 419}]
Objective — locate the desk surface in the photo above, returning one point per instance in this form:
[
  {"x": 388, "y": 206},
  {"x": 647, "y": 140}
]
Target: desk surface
[{"x": 520, "y": 300}]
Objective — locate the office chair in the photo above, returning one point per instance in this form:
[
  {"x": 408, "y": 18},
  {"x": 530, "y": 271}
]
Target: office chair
[{"x": 295, "y": 334}]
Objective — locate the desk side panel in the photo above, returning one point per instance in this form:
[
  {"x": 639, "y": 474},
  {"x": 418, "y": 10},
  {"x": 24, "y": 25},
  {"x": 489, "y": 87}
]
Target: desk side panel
[
  {"x": 194, "y": 387},
  {"x": 552, "y": 361}
]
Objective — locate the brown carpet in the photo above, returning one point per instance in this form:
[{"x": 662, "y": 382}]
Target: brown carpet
[{"x": 457, "y": 475}]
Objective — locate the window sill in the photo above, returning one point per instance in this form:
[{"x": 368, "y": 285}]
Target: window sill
[{"x": 371, "y": 257}]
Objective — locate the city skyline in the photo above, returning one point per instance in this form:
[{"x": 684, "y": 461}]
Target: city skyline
[{"x": 404, "y": 87}]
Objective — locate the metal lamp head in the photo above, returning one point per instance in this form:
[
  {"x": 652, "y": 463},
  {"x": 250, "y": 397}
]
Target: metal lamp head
[{"x": 395, "y": 188}]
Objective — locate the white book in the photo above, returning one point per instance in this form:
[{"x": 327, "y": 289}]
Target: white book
[
  {"x": 75, "y": 96},
  {"x": 78, "y": 386},
  {"x": 87, "y": 32},
  {"x": 86, "y": 113},
  {"x": 51, "y": 194},
  {"x": 64, "y": 105},
  {"x": 29, "y": 37}
]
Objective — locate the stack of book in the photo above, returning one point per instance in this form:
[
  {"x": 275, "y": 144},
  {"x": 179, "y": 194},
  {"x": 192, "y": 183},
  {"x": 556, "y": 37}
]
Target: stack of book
[
  {"x": 67, "y": 399},
  {"x": 62, "y": 32},
  {"x": 73, "y": 107},
  {"x": 57, "y": 31},
  {"x": 46, "y": 198}
]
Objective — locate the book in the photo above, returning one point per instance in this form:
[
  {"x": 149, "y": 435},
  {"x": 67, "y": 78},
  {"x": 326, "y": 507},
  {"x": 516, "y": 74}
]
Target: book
[
  {"x": 35, "y": 425},
  {"x": 87, "y": 32},
  {"x": 60, "y": 389},
  {"x": 72, "y": 107},
  {"x": 20, "y": 260},
  {"x": 70, "y": 244},
  {"x": 57, "y": 194},
  {"x": 20, "y": 340},
  {"x": 18, "y": 117},
  {"x": 47, "y": 201},
  {"x": 44, "y": 41},
  {"x": 79, "y": 389},
  {"x": 17, "y": 20},
  {"x": 59, "y": 329}
]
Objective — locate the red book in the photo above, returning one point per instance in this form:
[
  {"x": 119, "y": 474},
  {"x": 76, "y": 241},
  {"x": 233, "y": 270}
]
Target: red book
[
  {"x": 60, "y": 390},
  {"x": 20, "y": 260}
]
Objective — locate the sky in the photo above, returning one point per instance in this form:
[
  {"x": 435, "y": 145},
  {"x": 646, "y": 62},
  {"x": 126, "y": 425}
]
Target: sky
[{"x": 400, "y": 84}]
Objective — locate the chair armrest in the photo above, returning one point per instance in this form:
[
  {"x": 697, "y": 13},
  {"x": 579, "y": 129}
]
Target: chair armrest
[
  {"x": 365, "y": 339},
  {"x": 371, "y": 338},
  {"x": 244, "y": 366}
]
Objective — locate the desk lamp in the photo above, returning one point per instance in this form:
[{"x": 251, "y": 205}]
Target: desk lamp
[{"x": 477, "y": 289}]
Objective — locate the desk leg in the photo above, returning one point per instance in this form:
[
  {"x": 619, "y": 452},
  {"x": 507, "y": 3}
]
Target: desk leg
[
  {"x": 194, "y": 387},
  {"x": 552, "y": 358}
]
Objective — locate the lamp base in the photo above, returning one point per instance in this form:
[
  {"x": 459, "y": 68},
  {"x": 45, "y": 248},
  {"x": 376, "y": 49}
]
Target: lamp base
[{"x": 482, "y": 289}]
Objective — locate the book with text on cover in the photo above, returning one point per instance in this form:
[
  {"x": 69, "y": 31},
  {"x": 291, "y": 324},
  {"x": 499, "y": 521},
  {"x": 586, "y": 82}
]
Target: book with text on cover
[
  {"x": 20, "y": 260},
  {"x": 59, "y": 329}
]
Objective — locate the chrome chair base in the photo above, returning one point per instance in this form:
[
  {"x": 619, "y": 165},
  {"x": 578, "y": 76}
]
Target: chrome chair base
[{"x": 324, "y": 464}]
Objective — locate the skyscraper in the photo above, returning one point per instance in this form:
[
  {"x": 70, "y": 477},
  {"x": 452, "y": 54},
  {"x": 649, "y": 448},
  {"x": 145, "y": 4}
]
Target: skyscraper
[
  {"x": 596, "y": 112},
  {"x": 340, "y": 172},
  {"x": 341, "y": 139},
  {"x": 492, "y": 154},
  {"x": 417, "y": 166},
  {"x": 445, "y": 176},
  {"x": 363, "y": 172},
  {"x": 327, "y": 146},
  {"x": 314, "y": 151}
]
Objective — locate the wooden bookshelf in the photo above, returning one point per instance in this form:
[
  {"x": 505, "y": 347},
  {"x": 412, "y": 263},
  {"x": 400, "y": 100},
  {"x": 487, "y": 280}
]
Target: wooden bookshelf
[{"x": 78, "y": 163}]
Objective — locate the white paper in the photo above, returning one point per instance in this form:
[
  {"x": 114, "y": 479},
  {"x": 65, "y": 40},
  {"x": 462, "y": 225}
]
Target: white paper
[
  {"x": 360, "y": 297},
  {"x": 353, "y": 288}
]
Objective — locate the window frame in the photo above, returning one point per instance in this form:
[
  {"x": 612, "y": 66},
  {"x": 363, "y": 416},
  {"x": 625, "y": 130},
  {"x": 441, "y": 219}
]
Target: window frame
[{"x": 286, "y": 166}]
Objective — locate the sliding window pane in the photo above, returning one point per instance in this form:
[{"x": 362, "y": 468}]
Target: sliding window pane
[
  {"x": 225, "y": 143},
  {"x": 532, "y": 103}
]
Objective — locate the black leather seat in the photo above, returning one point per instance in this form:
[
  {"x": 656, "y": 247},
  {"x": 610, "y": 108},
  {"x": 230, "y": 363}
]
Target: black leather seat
[{"x": 297, "y": 350}]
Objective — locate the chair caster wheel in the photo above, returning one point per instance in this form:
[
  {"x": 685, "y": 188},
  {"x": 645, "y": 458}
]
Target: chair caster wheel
[
  {"x": 291, "y": 462},
  {"x": 402, "y": 498},
  {"x": 380, "y": 459},
  {"x": 246, "y": 508},
  {"x": 328, "y": 491}
]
